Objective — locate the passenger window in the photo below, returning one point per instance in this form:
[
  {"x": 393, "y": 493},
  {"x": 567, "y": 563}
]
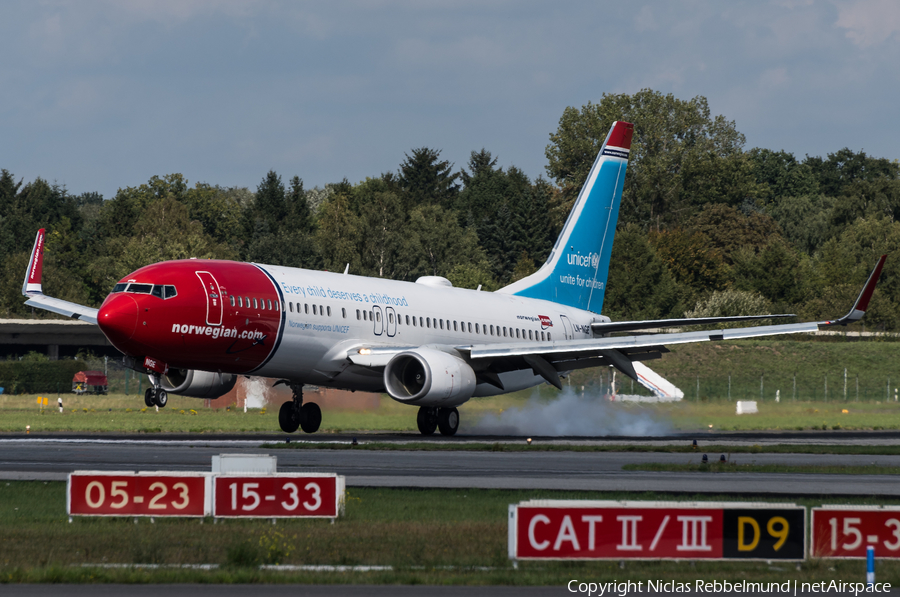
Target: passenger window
[
  {"x": 306, "y": 308},
  {"x": 232, "y": 300},
  {"x": 414, "y": 321},
  {"x": 390, "y": 318},
  {"x": 329, "y": 310},
  {"x": 517, "y": 332},
  {"x": 442, "y": 323},
  {"x": 428, "y": 322},
  {"x": 314, "y": 310},
  {"x": 247, "y": 300},
  {"x": 542, "y": 337},
  {"x": 344, "y": 313},
  {"x": 372, "y": 316},
  {"x": 477, "y": 329},
  {"x": 470, "y": 327},
  {"x": 492, "y": 330},
  {"x": 548, "y": 337},
  {"x": 270, "y": 304},
  {"x": 365, "y": 316},
  {"x": 529, "y": 335},
  {"x": 454, "y": 327},
  {"x": 240, "y": 302},
  {"x": 421, "y": 322},
  {"x": 358, "y": 315},
  {"x": 255, "y": 304},
  {"x": 407, "y": 319},
  {"x": 291, "y": 307}
]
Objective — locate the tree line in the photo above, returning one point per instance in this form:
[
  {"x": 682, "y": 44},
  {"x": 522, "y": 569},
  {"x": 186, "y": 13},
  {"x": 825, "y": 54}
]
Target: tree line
[{"x": 706, "y": 226}]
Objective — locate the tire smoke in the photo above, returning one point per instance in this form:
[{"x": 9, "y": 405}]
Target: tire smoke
[{"x": 571, "y": 415}]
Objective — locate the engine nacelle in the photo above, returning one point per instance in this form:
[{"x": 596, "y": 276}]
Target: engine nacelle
[
  {"x": 197, "y": 384},
  {"x": 429, "y": 377}
]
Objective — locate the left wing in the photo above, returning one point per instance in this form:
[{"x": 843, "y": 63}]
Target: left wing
[
  {"x": 548, "y": 359},
  {"x": 33, "y": 290}
]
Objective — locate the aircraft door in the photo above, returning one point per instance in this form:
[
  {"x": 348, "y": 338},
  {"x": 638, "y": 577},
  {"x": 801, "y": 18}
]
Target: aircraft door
[
  {"x": 391, "y": 323},
  {"x": 378, "y": 318},
  {"x": 567, "y": 327},
  {"x": 214, "y": 306}
]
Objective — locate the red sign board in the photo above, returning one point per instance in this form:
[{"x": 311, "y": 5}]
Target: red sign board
[
  {"x": 98, "y": 493},
  {"x": 846, "y": 531},
  {"x": 562, "y": 530},
  {"x": 280, "y": 495}
]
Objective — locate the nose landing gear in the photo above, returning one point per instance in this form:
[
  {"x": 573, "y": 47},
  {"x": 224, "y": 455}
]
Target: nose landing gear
[
  {"x": 155, "y": 396},
  {"x": 293, "y": 414}
]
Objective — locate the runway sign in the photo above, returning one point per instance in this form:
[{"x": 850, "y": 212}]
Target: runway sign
[
  {"x": 588, "y": 530},
  {"x": 282, "y": 495},
  {"x": 846, "y": 531},
  {"x": 101, "y": 493}
]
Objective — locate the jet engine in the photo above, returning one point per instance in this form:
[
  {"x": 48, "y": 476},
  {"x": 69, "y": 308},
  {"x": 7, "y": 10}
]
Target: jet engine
[
  {"x": 198, "y": 384},
  {"x": 429, "y": 377}
]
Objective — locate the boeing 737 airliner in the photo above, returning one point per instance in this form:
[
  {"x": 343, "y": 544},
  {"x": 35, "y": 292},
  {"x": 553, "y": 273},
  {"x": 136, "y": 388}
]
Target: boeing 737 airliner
[{"x": 193, "y": 326}]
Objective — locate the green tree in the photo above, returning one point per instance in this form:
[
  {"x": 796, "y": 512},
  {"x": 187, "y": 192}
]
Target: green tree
[
  {"x": 681, "y": 156},
  {"x": 729, "y": 230},
  {"x": 779, "y": 174},
  {"x": 692, "y": 260},
  {"x": 639, "y": 285},
  {"x": 805, "y": 220},
  {"x": 427, "y": 180},
  {"x": 845, "y": 167}
]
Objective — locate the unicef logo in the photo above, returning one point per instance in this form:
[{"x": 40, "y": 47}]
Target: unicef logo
[{"x": 595, "y": 260}]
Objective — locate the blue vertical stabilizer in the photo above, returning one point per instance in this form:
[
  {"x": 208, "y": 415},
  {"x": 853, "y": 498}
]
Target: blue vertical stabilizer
[{"x": 576, "y": 271}]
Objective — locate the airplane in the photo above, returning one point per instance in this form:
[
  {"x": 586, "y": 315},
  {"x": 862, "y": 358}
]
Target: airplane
[{"x": 194, "y": 325}]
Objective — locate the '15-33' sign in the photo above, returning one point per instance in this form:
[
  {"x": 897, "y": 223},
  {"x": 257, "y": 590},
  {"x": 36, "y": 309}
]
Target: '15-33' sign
[{"x": 561, "y": 530}]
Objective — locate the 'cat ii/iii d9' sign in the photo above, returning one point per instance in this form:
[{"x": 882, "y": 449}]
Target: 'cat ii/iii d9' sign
[{"x": 584, "y": 530}]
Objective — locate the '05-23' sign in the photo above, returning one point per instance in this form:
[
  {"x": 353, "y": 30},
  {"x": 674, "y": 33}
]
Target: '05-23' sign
[{"x": 561, "y": 530}]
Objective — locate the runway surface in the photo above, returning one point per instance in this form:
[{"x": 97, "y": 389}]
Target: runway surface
[{"x": 53, "y": 458}]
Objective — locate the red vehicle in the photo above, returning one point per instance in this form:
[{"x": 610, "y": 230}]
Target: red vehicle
[{"x": 90, "y": 382}]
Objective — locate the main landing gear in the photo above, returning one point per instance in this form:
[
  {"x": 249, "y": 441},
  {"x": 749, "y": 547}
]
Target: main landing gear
[
  {"x": 155, "y": 396},
  {"x": 294, "y": 414},
  {"x": 432, "y": 417}
]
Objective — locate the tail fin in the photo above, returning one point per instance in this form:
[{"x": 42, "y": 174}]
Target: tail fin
[{"x": 575, "y": 273}]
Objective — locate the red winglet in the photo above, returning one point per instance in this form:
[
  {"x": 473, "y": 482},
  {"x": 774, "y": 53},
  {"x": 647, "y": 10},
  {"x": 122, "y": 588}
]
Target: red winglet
[
  {"x": 862, "y": 303},
  {"x": 620, "y": 136},
  {"x": 35, "y": 266}
]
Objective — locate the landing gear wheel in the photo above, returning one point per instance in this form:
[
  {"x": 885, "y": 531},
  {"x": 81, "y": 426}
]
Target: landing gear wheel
[
  {"x": 148, "y": 398},
  {"x": 427, "y": 420},
  {"x": 448, "y": 421},
  {"x": 288, "y": 417},
  {"x": 310, "y": 417},
  {"x": 161, "y": 399}
]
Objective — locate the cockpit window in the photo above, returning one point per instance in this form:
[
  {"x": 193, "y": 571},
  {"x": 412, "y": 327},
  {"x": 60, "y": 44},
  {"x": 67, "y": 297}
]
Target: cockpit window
[{"x": 158, "y": 290}]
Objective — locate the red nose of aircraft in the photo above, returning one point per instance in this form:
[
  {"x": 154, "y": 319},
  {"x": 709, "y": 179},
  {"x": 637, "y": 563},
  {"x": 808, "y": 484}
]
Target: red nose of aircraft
[{"x": 118, "y": 317}]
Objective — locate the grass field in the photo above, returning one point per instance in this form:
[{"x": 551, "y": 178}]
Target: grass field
[
  {"x": 757, "y": 370},
  {"x": 427, "y": 536},
  {"x": 182, "y": 415}
]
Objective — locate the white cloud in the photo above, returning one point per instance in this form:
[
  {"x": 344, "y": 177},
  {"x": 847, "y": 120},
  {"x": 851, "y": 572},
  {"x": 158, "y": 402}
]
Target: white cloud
[{"x": 869, "y": 22}]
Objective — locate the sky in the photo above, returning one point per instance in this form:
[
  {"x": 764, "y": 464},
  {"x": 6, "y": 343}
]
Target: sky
[{"x": 98, "y": 95}]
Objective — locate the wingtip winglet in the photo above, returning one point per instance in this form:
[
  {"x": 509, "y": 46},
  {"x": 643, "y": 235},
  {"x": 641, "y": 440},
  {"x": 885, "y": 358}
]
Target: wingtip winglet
[
  {"x": 33, "y": 274},
  {"x": 862, "y": 301}
]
